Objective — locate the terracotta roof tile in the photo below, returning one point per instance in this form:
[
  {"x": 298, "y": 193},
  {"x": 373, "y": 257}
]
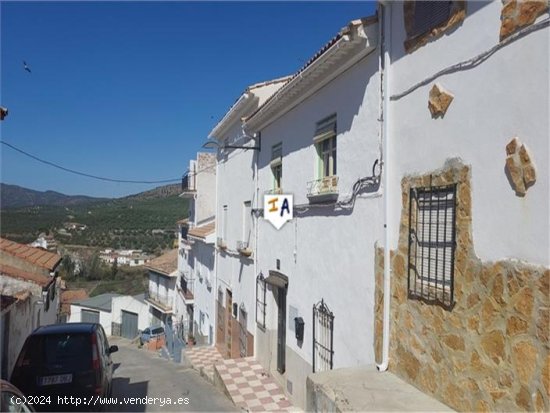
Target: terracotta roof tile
[
  {"x": 13, "y": 272},
  {"x": 36, "y": 256},
  {"x": 202, "y": 231},
  {"x": 166, "y": 263},
  {"x": 69, "y": 296}
]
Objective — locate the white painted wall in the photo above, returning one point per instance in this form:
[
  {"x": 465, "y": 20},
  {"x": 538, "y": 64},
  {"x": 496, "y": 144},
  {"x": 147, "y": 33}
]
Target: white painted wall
[
  {"x": 504, "y": 96},
  {"x": 327, "y": 254},
  {"x": 105, "y": 317},
  {"x": 205, "y": 295},
  {"x": 21, "y": 324},
  {"x": 131, "y": 304},
  {"x": 236, "y": 185}
]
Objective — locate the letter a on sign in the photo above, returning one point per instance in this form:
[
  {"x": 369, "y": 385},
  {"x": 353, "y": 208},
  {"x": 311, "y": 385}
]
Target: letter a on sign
[{"x": 278, "y": 209}]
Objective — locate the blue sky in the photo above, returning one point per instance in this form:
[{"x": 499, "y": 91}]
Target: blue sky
[{"x": 130, "y": 90}]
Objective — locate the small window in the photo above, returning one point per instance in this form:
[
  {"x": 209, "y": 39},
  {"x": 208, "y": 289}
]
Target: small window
[
  {"x": 325, "y": 141},
  {"x": 260, "y": 300},
  {"x": 430, "y": 19},
  {"x": 432, "y": 233},
  {"x": 277, "y": 166}
]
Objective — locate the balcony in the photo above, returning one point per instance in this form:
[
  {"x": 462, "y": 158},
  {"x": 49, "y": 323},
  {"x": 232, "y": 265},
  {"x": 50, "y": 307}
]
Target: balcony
[
  {"x": 221, "y": 244},
  {"x": 324, "y": 190},
  {"x": 187, "y": 287},
  {"x": 274, "y": 191},
  {"x": 244, "y": 248},
  {"x": 188, "y": 185},
  {"x": 162, "y": 302}
]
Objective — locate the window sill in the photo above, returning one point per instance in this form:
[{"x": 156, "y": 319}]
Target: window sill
[{"x": 323, "y": 198}]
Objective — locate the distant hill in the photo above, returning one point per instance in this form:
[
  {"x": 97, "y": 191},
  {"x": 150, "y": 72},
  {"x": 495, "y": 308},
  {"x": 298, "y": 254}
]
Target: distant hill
[
  {"x": 158, "y": 192},
  {"x": 14, "y": 196},
  {"x": 142, "y": 221}
]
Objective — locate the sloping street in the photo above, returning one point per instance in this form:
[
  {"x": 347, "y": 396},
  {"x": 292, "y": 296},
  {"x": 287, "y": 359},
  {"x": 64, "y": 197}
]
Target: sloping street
[{"x": 167, "y": 386}]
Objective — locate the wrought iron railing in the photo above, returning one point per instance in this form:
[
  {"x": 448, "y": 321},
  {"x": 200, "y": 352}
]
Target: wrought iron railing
[
  {"x": 274, "y": 191},
  {"x": 188, "y": 182},
  {"x": 325, "y": 185},
  {"x": 187, "y": 285}
]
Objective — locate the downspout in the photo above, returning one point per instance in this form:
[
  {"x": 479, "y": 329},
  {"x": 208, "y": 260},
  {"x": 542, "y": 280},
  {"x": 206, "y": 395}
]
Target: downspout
[
  {"x": 256, "y": 227},
  {"x": 385, "y": 32}
]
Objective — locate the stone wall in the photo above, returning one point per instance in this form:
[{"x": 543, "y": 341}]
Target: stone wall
[{"x": 491, "y": 351}]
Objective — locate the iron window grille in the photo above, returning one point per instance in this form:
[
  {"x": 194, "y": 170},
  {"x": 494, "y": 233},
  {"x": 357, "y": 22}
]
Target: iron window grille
[
  {"x": 432, "y": 244},
  {"x": 260, "y": 300},
  {"x": 323, "y": 337},
  {"x": 427, "y": 15}
]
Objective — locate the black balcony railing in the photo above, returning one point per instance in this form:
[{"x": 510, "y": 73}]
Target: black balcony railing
[{"x": 187, "y": 286}]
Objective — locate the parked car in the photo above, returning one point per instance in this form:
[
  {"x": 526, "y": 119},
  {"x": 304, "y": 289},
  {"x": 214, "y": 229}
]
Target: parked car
[
  {"x": 13, "y": 400},
  {"x": 150, "y": 333},
  {"x": 72, "y": 359}
]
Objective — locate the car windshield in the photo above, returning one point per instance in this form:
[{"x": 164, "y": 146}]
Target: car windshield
[
  {"x": 68, "y": 351},
  {"x": 158, "y": 330}
]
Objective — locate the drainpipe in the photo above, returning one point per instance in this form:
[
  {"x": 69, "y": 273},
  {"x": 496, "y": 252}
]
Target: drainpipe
[
  {"x": 256, "y": 229},
  {"x": 385, "y": 31}
]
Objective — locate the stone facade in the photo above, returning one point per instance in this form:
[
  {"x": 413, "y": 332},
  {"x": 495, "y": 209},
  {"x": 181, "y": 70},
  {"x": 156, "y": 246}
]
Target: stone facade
[
  {"x": 520, "y": 168},
  {"x": 491, "y": 351},
  {"x": 439, "y": 101},
  {"x": 520, "y": 13}
]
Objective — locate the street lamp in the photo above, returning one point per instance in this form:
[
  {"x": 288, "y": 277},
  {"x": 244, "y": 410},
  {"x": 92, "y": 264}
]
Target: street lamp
[{"x": 212, "y": 143}]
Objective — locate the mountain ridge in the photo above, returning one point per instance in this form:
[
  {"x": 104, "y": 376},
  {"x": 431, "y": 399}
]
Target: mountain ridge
[{"x": 15, "y": 196}]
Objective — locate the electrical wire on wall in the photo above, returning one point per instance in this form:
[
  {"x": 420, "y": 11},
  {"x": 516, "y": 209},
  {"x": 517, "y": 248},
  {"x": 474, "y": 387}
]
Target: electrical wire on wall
[{"x": 474, "y": 61}]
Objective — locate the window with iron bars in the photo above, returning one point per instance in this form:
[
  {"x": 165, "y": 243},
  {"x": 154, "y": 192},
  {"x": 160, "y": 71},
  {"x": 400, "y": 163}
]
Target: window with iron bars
[
  {"x": 323, "y": 337},
  {"x": 260, "y": 300},
  {"x": 432, "y": 242}
]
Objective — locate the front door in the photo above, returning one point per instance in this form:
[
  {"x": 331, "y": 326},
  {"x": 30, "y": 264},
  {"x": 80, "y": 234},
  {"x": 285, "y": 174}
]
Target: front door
[
  {"x": 228, "y": 319},
  {"x": 281, "y": 329},
  {"x": 220, "y": 325}
]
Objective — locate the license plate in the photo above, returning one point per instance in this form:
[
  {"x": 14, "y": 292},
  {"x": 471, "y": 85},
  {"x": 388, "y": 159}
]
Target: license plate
[{"x": 58, "y": 379}]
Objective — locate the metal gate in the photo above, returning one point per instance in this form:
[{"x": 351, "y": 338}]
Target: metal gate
[
  {"x": 89, "y": 316},
  {"x": 323, "y": 332},
  {"x": 242, "y": 332},
  {"x": 129, "y": 327}
]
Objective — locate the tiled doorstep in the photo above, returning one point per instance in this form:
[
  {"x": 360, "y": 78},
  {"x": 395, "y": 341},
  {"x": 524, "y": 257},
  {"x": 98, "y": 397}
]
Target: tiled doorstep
[{"x": 250, "y": 388}]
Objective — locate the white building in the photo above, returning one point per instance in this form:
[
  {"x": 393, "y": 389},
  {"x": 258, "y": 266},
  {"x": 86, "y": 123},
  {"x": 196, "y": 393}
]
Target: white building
[
  {"x": 30, "y": 296},
  {"x": 96, "y": 309},
  {"x": 130, "y": 315},
  {"x": 320, "y": 143},
  {"x": 237, "y": 195},
  {"x": 161, "y": 294},
  {"x": 196, "y": 259}
]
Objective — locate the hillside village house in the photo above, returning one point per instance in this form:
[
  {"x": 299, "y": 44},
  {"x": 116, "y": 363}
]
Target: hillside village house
[
  {"x": 29, "y": 289},
  {"x": 320, "y": 132},
  {"x": 416, "y": 148},
  {"x": 467, "y": 203},
  {"x": 161, "y": 293},
  {"x": 236, "y": 196},
  {"x": 196, "y": 259}
]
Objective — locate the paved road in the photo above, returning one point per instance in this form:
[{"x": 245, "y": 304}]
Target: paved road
[{"x": 139, "y": 373}]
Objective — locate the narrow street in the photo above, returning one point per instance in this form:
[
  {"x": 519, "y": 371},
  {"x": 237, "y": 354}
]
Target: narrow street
[{"x": 141, "y": 374}]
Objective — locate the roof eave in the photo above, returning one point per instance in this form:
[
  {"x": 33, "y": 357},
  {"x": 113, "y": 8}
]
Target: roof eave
[
  {"x": 355, "y": 41},
  {"x": 238, "y": 110}
]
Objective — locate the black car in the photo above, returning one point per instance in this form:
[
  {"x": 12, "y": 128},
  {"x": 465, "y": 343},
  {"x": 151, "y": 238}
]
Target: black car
[{"x": 72, "y": 359}]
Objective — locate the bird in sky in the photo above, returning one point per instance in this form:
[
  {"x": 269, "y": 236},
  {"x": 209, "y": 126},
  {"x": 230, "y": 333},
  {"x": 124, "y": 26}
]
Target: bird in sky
[{"x": 26, "y": 67}]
